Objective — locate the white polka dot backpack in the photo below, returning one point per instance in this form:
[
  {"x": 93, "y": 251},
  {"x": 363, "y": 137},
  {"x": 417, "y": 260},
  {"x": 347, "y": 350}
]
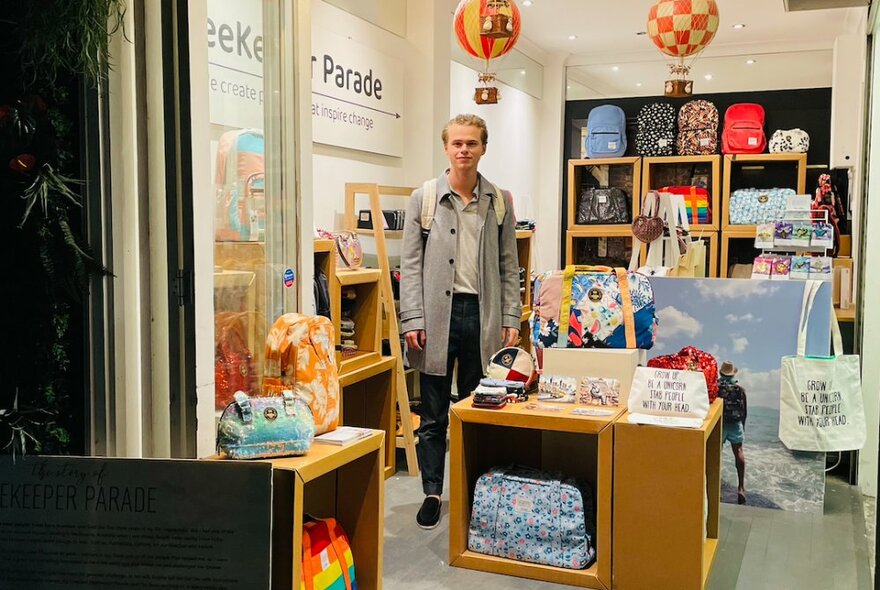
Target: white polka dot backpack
[{"x": 789, "y": 141}]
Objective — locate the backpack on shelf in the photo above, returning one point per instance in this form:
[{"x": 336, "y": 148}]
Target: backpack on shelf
[
  {"x": 697, "y": 129},
  {"x": 327, "y": 561},
  {"x": 656, "y": 135},
  {"x": 606, "y": 132},
  {"x": 744, "y": 129},
  {"x": 301, "y": 356},
  {"x": 234, "y": 368},
  {"x": 322, "y": 294},
  {"x": 240, "y": 184},
  {"x": 734, "y": 397}
]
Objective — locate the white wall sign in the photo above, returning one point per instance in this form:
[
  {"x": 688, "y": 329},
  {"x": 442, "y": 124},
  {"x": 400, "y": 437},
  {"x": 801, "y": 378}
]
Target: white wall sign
[
  {"x": 357, "y": 96},
  {"x": 235, "y": 63}
]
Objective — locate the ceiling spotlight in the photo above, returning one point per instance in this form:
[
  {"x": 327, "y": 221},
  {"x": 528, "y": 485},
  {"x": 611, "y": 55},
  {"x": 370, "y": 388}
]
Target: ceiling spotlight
[
  {"x": 568, "y": 87},
  {"x": 572, "y": 37},
  {"x": 750, "y": 61},
  {"x": 615, "y": 68},
  {"x": 739, "y": 26},
  {"x": 639, "y": 84},
  {"x": 708, "y": 76},
  {"x": 523, "y": 72},
  {"x": 642, "y": 33},
  {"x": 527, "y": 2}
]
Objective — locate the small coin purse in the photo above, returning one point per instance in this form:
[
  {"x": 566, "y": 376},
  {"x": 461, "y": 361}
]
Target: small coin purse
[{"x": 265, "y": 427}]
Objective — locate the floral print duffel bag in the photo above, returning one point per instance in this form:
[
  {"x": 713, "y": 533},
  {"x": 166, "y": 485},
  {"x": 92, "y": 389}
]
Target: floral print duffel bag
[
  {"x": 593, "y": 307},
  {"x": 528, "y": 515}
]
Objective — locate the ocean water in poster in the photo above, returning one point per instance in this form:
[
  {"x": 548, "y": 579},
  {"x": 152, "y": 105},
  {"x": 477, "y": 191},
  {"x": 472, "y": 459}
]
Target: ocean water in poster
[{"x": 753, "y": 324}]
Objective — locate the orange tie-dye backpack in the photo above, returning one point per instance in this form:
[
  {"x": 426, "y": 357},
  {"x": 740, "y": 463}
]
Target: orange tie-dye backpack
[{"x": 300, "y": 355}]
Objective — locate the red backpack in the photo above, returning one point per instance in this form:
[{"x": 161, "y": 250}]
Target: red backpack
[
  {"x": 691, "y": 359},
  {"x": 744, "y": 129},
  {"x": 234, "y": 368}
]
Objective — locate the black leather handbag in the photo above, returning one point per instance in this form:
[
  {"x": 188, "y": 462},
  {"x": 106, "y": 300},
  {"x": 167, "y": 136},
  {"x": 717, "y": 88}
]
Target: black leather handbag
[{"x": 602, "y": 206}]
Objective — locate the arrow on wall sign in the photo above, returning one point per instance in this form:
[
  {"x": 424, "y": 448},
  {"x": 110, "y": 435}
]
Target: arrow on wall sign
[{"x": 363, "y": 106}]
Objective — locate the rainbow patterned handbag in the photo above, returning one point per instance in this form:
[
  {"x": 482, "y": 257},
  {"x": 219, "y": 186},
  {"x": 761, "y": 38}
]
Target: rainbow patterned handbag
[
  {"x": 528, "y": 515},
  {"x": 264, "y": 427},
  {"x": 327, "y": 562},
  {"x": 696, "y": 201},
  {"x": 593, "y": 307}
]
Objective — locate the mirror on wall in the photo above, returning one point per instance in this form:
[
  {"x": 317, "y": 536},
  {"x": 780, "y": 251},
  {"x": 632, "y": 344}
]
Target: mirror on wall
[
  {"x": 711, "y": 75},
  {"x": 515, "y": 69}
]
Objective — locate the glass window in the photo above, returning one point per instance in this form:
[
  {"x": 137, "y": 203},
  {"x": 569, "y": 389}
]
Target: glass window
[{"x": 244, "y": 68}]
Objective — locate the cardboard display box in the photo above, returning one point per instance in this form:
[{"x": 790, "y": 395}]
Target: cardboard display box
[{"x": 593, "y": 362}]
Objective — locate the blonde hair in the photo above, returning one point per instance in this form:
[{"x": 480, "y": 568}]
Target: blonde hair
[{"x": 472, "y": 120}]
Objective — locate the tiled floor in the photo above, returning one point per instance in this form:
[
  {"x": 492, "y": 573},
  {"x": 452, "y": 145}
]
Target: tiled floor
[{"x": 758, "y": 548}]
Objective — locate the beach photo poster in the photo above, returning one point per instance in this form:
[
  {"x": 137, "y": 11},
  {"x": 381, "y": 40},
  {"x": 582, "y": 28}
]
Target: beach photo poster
[{"x": 753, "y": 324}]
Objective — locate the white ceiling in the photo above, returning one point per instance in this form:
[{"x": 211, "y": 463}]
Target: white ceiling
[{"x": 790, "y": 49}]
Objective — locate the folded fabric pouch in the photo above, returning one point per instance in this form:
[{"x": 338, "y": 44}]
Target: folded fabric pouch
[
  {"x": 492, "y": 398},
  {"x": 516, "y": 390}
]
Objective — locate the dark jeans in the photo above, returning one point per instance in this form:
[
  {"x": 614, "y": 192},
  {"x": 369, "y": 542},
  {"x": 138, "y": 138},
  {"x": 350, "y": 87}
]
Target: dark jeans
[{"x": 436, "y": 390}]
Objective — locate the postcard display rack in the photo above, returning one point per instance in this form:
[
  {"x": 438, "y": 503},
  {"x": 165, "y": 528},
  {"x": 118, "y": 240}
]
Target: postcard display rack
[{"x": 546, "y": 436}]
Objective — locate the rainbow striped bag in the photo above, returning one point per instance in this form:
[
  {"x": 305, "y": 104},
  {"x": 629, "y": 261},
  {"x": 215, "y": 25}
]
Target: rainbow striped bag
[
  {"x": 327, "y": 563},
  {"x": 696, "y": 201}
]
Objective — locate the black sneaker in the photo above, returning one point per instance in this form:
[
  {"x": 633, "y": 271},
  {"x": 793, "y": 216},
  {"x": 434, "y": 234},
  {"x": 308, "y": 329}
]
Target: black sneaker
[{"x": 429, "y": 514}]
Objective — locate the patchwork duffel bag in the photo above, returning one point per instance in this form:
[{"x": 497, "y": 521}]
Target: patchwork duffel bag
[
  {"x": 529, "y": 515},
  {"x": 593, "y": 307}
]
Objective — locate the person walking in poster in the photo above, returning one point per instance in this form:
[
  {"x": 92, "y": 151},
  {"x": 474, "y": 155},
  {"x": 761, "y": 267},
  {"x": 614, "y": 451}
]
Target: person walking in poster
[{"x": 733, "y": 426}]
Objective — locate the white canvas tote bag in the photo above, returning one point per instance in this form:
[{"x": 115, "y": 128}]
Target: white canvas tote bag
[
  {"x": 668, "y": 397},
  {"x": 821, "y": 407}
]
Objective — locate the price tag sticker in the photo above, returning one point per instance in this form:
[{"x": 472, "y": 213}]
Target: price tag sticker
[
  {"x": 612, "y": 145},
  {"x": 704, "y": 141},
  {"x": 662, "y": 142},
  {"x": 753, "y": 141}
]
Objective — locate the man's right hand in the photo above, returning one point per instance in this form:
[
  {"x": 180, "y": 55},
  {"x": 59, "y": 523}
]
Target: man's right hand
[{"x": 415, "y": 339}]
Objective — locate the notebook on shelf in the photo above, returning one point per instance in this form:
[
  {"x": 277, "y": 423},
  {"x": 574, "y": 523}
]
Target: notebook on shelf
[{"x": 344, "y": 435}]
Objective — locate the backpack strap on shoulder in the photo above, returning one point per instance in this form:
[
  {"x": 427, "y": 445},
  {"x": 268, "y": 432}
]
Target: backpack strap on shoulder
[
  {"x": 429, "y": 203},
  {"x": 500, "y": 204}
]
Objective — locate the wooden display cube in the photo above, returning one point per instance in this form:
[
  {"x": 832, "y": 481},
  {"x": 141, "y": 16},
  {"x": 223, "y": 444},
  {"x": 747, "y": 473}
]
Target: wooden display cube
[
  {"x": 661, "y": 479},
  {"x": 367, "y": 317},
  {"x": 658, "y": 172},
  {"x": 577, "y": 446},
  {"x": 711, "y": 239},
  {"x": 741, "y": 234},
  {"x": 597, "y": 232},
  {"x": 345, "y": 483},
  {"x": 760, "y": 171},
  {"x": 622, "y": 173},
  {"x": 368, "y": 399}
]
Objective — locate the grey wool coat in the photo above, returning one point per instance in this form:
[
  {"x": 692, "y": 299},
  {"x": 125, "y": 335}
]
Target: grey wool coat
[{"x": 427, "y": 270}]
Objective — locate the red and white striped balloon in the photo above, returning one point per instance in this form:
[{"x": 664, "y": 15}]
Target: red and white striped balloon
[{"x": 468, "y": 24}]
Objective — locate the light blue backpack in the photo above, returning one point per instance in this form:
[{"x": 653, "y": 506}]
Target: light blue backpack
[{"x": 606, "y": 132}]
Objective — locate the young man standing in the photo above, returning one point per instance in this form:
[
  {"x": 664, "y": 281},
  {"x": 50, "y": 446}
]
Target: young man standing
[{"x": 459, "y": 290}]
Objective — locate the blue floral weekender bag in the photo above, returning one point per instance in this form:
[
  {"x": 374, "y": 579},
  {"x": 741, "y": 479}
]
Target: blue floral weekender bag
[{"x": 529, "y": 515}]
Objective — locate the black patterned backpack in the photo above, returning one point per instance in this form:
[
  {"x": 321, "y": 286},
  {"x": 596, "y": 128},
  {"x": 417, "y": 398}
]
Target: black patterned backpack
[
  {"x": 697, "y": 129},
  {"x": 656, "y": 135}
]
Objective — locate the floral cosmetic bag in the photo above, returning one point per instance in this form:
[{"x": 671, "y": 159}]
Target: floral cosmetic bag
[{"x": 749, "y": 206}]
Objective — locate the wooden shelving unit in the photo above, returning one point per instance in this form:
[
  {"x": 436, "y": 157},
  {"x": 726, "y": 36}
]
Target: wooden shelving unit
[
  {"x": 794, "y": 164},
  {"x": 624, "y": 173},
  {"x": 538, "y": 439},
  {"x": 658, "y": 172},
  {"x": 386, "y": 311},
  {"x": 345, "y": 483},
  {"x": 594, "y": 232},
  {"x": 659, "y": 542},
  {"x": 524, "y": 253}
]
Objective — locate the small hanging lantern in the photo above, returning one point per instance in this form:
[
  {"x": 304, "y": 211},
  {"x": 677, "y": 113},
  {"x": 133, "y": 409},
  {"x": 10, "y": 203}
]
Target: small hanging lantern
[
  {"x": 682, "y": 28},
  {"x": 487, "y": 30}
]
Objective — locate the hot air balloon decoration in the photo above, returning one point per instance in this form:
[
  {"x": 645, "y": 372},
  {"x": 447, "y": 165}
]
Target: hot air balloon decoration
[
  {"x": 487, "y": 30},
  {"x": 682, "y": 29}
]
